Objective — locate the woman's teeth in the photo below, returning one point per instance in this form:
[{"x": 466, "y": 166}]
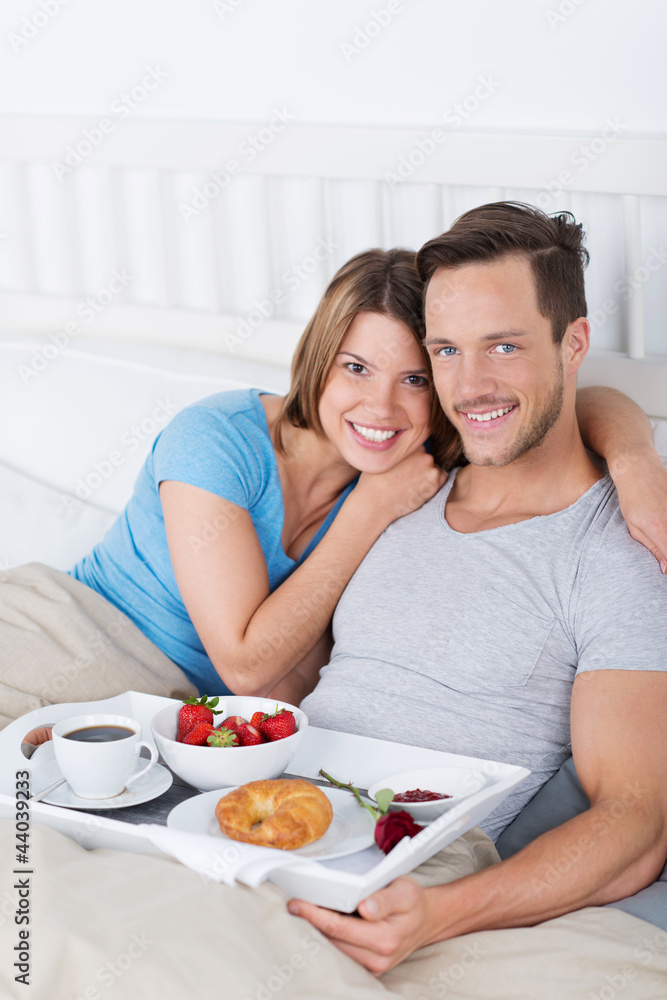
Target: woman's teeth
[
  {"x": 491, "y": 415},
  {"x": 372, "y": 435}
]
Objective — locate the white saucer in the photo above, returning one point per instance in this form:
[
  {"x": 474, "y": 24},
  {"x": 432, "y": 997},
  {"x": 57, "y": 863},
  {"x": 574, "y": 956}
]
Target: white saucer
[
  {"x": 352, "y": 827},
  {"x": 155, "y": 782}
]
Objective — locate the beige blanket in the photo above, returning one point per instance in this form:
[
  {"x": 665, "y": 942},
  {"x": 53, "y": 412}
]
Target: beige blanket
[
  {"x": 109, "y": 924},
  {"x": 61, "y": 641}
]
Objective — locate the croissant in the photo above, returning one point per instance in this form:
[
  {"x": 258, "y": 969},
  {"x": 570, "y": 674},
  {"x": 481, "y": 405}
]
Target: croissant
[{"x": 284, "y": 813}]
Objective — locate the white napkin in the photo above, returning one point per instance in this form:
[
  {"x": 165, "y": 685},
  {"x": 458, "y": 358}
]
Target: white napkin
[{"x": 227, "y": 861}]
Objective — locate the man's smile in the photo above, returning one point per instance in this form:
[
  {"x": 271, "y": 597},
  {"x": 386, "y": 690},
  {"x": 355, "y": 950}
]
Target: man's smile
[
  {"x": 495, "y": 416},
  {"x": 489, "y": 414}
]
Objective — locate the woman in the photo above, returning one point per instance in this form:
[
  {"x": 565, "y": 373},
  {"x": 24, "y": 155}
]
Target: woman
[
  {"x": 257, "y": 483},
  {"x": 252, "y": 511}
]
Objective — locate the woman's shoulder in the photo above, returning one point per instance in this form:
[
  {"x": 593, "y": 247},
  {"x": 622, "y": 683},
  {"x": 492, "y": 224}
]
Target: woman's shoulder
[
  {"x": 226, "y": 427},
  {"x": 237, "y": 414},
  {"x": 231, "y": 403},
  {"x": 219, "y": 439}
]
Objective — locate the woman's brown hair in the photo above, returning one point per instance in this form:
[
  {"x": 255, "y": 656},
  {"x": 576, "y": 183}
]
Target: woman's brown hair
[{"x": 380, "y": 281}]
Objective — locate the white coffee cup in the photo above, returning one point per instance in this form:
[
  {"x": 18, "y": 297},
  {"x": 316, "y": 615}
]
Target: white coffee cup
[{"x": 99, "y": 770}]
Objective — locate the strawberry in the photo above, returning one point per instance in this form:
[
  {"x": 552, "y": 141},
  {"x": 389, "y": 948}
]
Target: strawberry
[
  {"x": 249, "y": 735},
  {"x": 233, "y": 722},
  {"x": 198, "y": 736},
  {"x": 193, "y": 712},
  {"x": 257, "y": 719},
  {"x": 279, "y": 725},
  {"x": 222, "y": 738}
]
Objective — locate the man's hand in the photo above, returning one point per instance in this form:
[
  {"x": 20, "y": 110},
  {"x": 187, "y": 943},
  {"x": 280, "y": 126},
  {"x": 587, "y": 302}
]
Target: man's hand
[{"x": 394, "y": 923}]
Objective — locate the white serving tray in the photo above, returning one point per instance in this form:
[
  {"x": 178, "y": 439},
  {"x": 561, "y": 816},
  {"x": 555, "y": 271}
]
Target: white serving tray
[{"x": 340, "y": 884}]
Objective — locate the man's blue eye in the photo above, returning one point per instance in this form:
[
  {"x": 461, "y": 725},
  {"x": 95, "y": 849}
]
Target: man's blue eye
[
  {"x": 447, "y": 351},
  {"x": 507, "y": 348}
]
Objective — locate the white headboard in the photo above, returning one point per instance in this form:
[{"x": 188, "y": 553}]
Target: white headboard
[
  {"x": 225, "y": 233},
  {"x": 171, "y": 236}
]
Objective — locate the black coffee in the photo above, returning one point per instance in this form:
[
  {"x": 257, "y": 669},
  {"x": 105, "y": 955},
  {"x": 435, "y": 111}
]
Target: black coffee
[{"x": 100, "y": 734}]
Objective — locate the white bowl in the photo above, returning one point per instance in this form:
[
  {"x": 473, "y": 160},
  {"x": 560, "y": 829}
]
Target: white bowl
[
  {"x": 459, "y": 782},
  {"x": 207, "y": 767}
]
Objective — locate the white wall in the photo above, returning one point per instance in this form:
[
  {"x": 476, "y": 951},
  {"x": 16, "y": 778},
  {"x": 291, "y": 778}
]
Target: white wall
[
  {"x": 540, "y": 65},
  {"x": 558, "y": 64}
]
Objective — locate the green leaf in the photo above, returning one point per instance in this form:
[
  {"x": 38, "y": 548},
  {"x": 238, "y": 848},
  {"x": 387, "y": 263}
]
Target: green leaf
[{"x": 383, "y": 799}]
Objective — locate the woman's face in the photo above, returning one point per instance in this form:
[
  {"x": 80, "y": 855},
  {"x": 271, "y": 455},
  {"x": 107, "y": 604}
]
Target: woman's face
[{"x": 376, "y": 404}]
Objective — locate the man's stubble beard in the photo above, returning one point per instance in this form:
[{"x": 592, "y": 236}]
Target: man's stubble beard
[{"x": 533, "y": 436}]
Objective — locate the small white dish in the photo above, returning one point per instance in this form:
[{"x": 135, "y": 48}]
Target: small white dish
[
  {"x": 352, "y": 828},
  {"x": 457, "y": 782},
  {"x": 155, "y": 782}
]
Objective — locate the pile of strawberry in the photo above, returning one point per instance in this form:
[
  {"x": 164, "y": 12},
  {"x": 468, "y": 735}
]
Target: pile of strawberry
[{"x": 195, "y": 726}]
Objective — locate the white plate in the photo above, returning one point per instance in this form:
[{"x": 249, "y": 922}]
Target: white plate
[
  {"x": 155, "y": 782},
  {"x": 352, "y": 827}
]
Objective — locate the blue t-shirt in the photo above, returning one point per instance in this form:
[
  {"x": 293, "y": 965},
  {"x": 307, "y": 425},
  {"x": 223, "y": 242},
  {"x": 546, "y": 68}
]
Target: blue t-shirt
[{"x": 221, "y": 444}]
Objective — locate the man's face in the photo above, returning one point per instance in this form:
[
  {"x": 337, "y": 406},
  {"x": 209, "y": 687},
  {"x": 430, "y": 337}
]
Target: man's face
[{"x": 498, "y": 374}]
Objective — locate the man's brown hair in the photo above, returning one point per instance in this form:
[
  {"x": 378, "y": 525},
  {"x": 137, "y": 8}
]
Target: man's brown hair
[
  {"x": 553, "y": 244},
  {"x": 379, "y": 281}
]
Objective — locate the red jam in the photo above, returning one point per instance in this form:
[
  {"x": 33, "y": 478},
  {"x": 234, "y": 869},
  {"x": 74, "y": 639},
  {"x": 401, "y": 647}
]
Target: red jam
[{"x": 417, "y": 795}]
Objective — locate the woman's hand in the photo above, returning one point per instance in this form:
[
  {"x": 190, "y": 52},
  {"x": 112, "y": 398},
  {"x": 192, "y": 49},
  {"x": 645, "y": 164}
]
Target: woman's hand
[
  {"x": 401, "y": 489},
  {"x": 642, "y": 494}
]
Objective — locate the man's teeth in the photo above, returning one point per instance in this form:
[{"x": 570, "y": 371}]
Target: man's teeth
[
  {"x": 372, "y": 435},
  {"x": 491, "y": 415}
]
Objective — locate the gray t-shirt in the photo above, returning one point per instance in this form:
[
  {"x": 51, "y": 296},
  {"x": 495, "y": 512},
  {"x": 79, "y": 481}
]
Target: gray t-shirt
[{"x": 470, "y": 643}]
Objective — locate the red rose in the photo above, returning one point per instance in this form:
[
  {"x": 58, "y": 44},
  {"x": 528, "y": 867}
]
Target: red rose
[{"x": 390, "y": 829}]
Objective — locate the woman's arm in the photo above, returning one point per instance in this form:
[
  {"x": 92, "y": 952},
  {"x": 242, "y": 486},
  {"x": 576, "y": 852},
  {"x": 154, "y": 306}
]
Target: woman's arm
[
  {"x": 254, "y": 638},
  {"x": 304, "y": 677},
  {"x": 619, "y": 430}
]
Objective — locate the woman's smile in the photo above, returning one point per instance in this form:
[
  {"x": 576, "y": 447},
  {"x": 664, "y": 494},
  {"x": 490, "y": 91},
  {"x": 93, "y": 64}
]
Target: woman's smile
[{"x": 377, "y": 438}]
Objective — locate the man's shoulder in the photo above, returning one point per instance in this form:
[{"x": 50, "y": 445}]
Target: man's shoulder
[
  {"x": 619, "y": 613},
  {"x": 607, "y": 536}
]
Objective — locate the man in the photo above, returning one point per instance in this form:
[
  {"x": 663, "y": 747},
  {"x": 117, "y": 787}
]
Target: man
[{"x": 533, "y": 625}]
